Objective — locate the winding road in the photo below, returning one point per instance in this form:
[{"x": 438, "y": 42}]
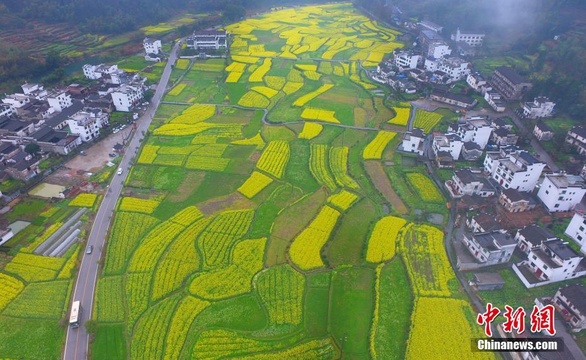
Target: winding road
[{"x": 77, "y": 340}]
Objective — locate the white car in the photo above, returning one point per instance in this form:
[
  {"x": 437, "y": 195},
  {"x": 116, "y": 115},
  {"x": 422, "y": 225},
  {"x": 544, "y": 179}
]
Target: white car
[
  {"x": 119, "y": 171},
  {"x": 115, "y": 130}
]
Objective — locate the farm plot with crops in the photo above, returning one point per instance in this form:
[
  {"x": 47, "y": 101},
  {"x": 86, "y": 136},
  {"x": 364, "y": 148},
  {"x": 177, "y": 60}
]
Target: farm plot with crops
[{"x": 251, "y": 227}]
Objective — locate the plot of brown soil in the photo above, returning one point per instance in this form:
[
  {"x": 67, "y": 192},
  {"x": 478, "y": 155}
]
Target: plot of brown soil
[
  {"x": 189, "y": 185},
  {"x": 381, "y": 182},
  {"x": 234, "y": 201},
  {"x": 290, "y": 222}
]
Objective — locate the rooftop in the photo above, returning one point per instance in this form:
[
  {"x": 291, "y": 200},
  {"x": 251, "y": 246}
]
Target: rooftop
[
  {"x": 560, "y": 249},
  {"x": 576, "y": 294},
  {"x": 543, "y": 126},
  {"x": 536, "y": 234},
  {"x": 488, "y": 278},
  {"x": 564, "y": 181},
  {"x": 579, "y": 130},
  {"x": 494, "y": 240},
  {"x": 511, "y": 75},
  {"x": 515, "y": 195},
  {"x": 487, "y": 222},
  {"x": 457, "y": 97}
]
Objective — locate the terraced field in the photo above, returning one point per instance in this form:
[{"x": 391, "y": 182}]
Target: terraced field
[{"x": 253, "y": 229}]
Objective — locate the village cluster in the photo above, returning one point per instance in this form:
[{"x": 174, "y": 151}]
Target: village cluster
[{"x": 503, "y": 199}]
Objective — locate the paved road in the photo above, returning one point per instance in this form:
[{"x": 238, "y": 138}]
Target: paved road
[{"x": 76, "y": 343}]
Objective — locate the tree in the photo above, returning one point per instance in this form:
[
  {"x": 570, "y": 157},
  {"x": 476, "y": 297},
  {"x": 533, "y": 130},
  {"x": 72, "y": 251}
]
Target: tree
[{"x": 32, "y": 148}]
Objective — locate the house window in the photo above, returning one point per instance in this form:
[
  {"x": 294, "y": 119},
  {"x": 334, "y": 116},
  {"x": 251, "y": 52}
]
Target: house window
[
  {"x": 545, "y": 267},
  {"x": 546, "y": 192},
  {"x": 581, "y": 228},
  {"x": 534, "y": 257},
  {"x": 557, "y": 206}
]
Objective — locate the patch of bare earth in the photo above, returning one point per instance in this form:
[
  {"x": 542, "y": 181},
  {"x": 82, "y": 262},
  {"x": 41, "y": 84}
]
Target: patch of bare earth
[
  {"x": 234, "y": 201},
  {"x": 383, "y": 185},
  {"x": 290, "y": 222},
  {"x": 189, "y": 184}
]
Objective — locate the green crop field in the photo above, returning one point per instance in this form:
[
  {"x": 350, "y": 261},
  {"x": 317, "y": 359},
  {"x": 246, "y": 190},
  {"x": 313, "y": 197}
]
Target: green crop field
[{"x": 261, "y": 219}]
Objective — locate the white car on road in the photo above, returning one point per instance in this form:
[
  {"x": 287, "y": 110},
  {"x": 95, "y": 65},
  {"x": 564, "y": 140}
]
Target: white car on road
[{"x": 119, "y": 171}]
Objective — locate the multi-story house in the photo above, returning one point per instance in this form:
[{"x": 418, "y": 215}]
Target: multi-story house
[
  {"x": 495, "y": 101},
  {"x": 542, "y": 132},
  {"x": 59, "y": 142},
  {"x": 477, "y": 82},
  {"x": 513, "y": 200},
  {"x": 508, "y": 83},
  {"x": 471, "y": 151},
  {"x": 87, "y": 123},
  {"x": 576, "y": 138},
  {"x": 531, "y": 236},
  {"x": 208, "y": 40},
  {"x": 490, "y": 248},
  {"x": 413, "y": 141},
  {"x": 518, "y": 170},
  {"x": 576, "y": 229},
  {"x": 449, "y": 143},
  {"x": 551, "y": 262},
  {"x": 504, "y": 137},
  {"x": 406, "y": 59},
  {"x": 561, "y": 192},
  {"x": 540, "y": 107},
  {"x": 59, "y": 100},
  {"x": 433, "y": 45},
  {"x": 477, "y": 130},
  {"x": 467, "y": 182},
  {"x": 474, "y": 39},
  {"x": 95, "y": 72},
  {"x": 482, "y": 223},
  {"x": 454, "y": 67},
  {"x": 570, "y": 302},
  {"x": 126, "y": 97},
  {"x": 152, "y": 46}
]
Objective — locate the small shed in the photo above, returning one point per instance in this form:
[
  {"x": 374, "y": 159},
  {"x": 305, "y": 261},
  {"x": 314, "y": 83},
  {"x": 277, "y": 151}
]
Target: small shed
[{"x": 487, "y": 281}]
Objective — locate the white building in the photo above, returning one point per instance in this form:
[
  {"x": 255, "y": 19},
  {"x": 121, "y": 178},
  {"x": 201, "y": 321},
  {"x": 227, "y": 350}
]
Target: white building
[
  {"x": 151, "y": 46},
  {"x": 7, "y": 110},
  {"x": 570, "y": 302},
  {"x": 467, "y": 182},
  {"x": 519, "y": 170},
  {"x": 491, "y": 248},
  {"x": 207, "y": 39},
  {"x": 477, "y": 82},
  {"x": 450, "y": 143},
  {"x": 551, "y": 262},
  {"x": 413, "y": 141},
  {"x": 454, "y": 67},
  {"x": 471, "y": 38},
  {"x": 59, "y": 100},
  {"x": 561, "y": 192},
  {"x": 531, "y": 236},
  {"x": 16, "y": 100},
  {"x": 577, "y": 229},
  {"x": 95, "y": 72},
  {"x": 87, "y": 123},
  {"x": 438, "y": 50},
  {"x": 495, "y": 100},
  {"x": 126, "y": 97},
  {"x": 476, "y": 130},
  {"x": 542, "y": 132},
  {"x": 576, "y": 138},
  {"x": 540, "y": 107},
  {"x": 406, "y": 59}
]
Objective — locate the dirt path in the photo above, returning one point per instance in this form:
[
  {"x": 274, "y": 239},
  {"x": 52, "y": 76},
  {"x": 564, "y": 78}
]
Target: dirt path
[{"x": 383, "y": 184}]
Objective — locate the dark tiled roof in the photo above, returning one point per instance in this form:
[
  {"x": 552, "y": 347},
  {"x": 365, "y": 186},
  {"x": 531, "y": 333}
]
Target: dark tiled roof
[
  {"x": 535, "y": 234},
  {"x": 576, "y": 294},
  {"x": 417, "y": 133},
  {"x": 543, "y": 126},
  {"x": 561, "y": 249},
  {"x": 515, "y": 195},
  {"x": 487, "y": 240},
  {"x": 579, "y": 130},
  {"x": 487, "y": 222},
  {"x": 511, "y": 74},
  {"x": 65, "y": 114},
  {"x": 469, "y": 145},
  {"x": 456, "y": 97}
]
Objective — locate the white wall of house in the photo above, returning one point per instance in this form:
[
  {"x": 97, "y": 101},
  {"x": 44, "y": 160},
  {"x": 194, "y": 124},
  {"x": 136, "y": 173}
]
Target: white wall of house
[
  {"x": 560, "y": 198},
  {"x": 60, "y": 101},
  {"x": 412, "y": 143},
  {"x": 152, "y": 46},
  {"x": 126, "y": 97},
  {"x": 576, "y": 230},
  {"x": 86, "y": 124}
]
